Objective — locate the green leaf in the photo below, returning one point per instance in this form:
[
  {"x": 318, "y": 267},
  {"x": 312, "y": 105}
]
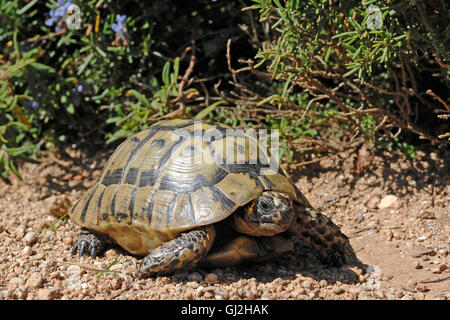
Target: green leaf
[
  {"x": 202, "y": 114},
  {"x": 26, "y": 7},
  {"x": 14, "y": 152},
  {"x": 85, "y": 63},
  {"x": 71, "y": 108},
  {"x": 165, "y": 73},
  {"x": 351, "y": 72},
  {"x": 141, "y": 98},
  {"x": 286, "y": 85},
  {"x": 176, "y": 67},
  {"x": 42, "y": 67}
]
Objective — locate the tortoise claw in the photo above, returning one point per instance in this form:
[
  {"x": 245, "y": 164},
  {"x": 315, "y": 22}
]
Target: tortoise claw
[
  {"x": 82, "y": 248},
  {"x": 89, "y": 242},
  {"x": 74, "y": 249},
  {"x": 93, "y": 252}
]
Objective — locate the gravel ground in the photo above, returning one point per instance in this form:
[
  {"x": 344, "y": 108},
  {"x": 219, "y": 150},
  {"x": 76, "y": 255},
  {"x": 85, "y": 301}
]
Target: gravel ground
[{"x": 395, "y": 212}]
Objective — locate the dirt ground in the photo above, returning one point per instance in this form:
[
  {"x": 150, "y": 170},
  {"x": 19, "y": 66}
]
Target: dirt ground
[{"x": 395, "y": 212}]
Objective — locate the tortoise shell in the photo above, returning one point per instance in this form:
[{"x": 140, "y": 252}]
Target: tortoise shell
[{"x": 154, "y": 187}]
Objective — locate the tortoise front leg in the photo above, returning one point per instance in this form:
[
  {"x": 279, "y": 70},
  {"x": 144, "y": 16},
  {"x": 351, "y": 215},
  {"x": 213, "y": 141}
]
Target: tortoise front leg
[
  {"x": 182, "y": 252},
  {"x": 317, "y": 230},
  {"x": 245, "y": 248}
]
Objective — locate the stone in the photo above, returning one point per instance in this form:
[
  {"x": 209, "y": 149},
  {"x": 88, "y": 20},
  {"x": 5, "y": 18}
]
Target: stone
[
  {"x": 68, "y": 241},
  {"x": 116, "y": 283},
  {"x": 21, "y": 293},
  {"x": 337, "y": 290},
  {"x": 211, "y": 278},
  {"x": 27, "y": 251},
  {"x": 390, "y": 201},
  {"x": 195, "y": 276},
  {"x": 47, "y": 294},
  {"x": 30, "y": 238},
  {"x": 57, "y": 205},
  {"x": 373, "y": 203},
  {"x": 110, "y": 253},
  {"x": 35, "y": 281},
  {"x": 421, "y": 287},
  {"x": 436, "y": 270},
  {"x": 323, "y": 283},
  {"x": 15, "y": 283}
]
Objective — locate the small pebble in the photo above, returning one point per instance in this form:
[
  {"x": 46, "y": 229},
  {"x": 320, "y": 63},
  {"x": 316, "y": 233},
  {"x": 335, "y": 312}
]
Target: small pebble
[
  {"x": 421, "y": 287},
  {"x": 436, "y": 270},
  {"x": 15, "y": 282},
  {"x": 68, "y": 241},
  {"x": 417, "y": 265},
  {"x": 30, "y": 238},
  {"x": 337, "y": 290},
  {"x": 390, "y": 201},
  {"x": 307, "y": 285},
  {"x": 209, "y": 294},
  {"x": 426, "y": 215},
  {"x": 323, "y": 283},
  {"x": 35, "y": 281},
  {"x": 200, "y": 290},
  {"x": 373, "y": 203},
  {"x": 21, "y": 293},
  {"x": 110, "y": 253},
  {"x": 211, "y": 278},
  {"x": 57, "y": 205},
  {"x": 389, "y": 235},
  {"x": 47, "y": 294},
  {"x": 298, "y": 293},
  {"x": 27, "y": 251},
  {"x": 195, "y": 276},
  {"x": 116, "y": 283}
]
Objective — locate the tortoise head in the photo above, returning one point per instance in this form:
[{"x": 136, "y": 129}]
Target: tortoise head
[{"x": 269, "y": 214}]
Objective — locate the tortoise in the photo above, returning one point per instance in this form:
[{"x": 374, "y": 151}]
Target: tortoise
[{"x": 186, "y": 193}]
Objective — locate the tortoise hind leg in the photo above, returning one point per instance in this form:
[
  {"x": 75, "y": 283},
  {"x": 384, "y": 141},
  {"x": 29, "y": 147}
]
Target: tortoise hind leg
[
  {"x": 182, "y": 252},
  {"x": 317, "y": 230},
  {"x": 90, "y": 241},
  {"x": 245, "y": 248}
]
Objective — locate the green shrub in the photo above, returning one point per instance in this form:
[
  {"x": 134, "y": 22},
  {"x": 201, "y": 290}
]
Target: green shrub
[
  {"x": 372, "y": 69},
  {"x": 66, "y": 81},
  {"x": 321, "y": 71}
]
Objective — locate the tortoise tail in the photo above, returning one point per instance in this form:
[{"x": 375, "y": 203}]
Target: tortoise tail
[{"x": 318, "y": 231}]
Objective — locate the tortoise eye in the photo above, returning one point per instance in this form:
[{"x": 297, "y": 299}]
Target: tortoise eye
[{"x": 265, "y": 205}]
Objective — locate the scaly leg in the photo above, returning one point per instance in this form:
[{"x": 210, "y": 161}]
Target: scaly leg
[{"x": 182, "y": 252}]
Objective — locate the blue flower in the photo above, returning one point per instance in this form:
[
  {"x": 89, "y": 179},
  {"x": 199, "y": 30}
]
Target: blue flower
[
  {"x": 121, "y": 33},
  {"x": 57, "y": 15},
  {"x": 52, "y": 19},
  {"x": 79, "y": 88},
  {"x": 120, "y": 22},
  {"x": 76, "y": 94},
  {"x": 31, "y": 104}
]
